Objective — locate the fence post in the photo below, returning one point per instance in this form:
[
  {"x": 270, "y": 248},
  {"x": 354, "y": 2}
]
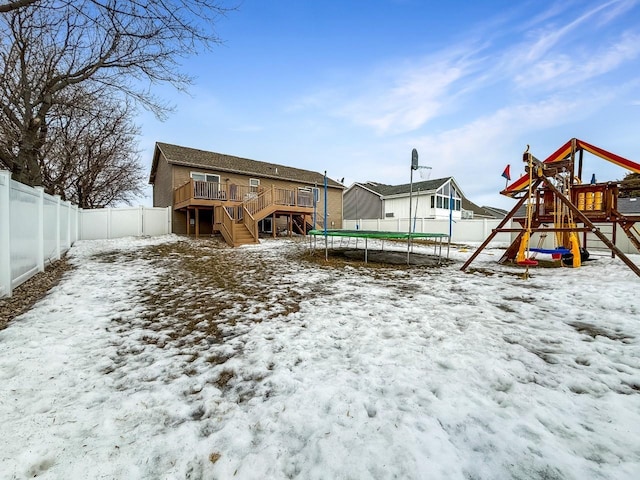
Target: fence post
[
  {"x": 78, "y": 213},
  {"x": 5, "y": 235},
  {"x": 40, "y": 221},
  {"x": 58, "y": 255},
  {"x": 140, "y": 221},
  {"x": 69, "y": 242}
]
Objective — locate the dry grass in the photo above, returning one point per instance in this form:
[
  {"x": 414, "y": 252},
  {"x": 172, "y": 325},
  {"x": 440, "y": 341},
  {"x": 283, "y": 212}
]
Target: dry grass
[{"x": 27, "y": 294}]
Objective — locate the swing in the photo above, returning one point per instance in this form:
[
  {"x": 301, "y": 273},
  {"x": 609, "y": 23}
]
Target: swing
[
  {"x": 556, "y": 253},
  {"x": 522, "y": 258},
  {"x": 552, "y": 251}
]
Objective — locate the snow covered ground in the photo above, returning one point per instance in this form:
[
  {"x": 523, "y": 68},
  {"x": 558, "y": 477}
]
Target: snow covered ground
[{"x": 164, "y": 358}]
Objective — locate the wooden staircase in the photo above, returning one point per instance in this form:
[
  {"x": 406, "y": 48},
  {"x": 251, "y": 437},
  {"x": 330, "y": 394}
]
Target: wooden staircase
[
  {"x": 238, "y": 223},
  {"x": 236, "y": 229},
  {"x": 301, "y": 224}
]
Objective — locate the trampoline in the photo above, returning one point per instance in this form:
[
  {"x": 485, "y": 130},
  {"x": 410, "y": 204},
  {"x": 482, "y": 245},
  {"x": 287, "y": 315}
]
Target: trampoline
[{"x": 378, "y": 235}]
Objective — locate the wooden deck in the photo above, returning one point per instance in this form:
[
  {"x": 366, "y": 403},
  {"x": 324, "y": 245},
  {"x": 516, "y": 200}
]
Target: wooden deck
[{"x": 237, "y": 209}]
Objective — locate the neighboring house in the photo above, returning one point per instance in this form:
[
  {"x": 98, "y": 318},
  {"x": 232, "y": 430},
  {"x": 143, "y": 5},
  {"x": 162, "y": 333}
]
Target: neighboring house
[
  {"x": 493, "y": 212},
  {"x": 238, "y": 197},
  {"x": 471, "y": 210},
  {"x": 429, "y": 199},
  {"x": 629, "y": 206}
]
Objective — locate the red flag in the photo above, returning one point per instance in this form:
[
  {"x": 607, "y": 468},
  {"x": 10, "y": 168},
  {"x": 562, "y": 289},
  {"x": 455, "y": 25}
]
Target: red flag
[{"x": 506, "y": 173}]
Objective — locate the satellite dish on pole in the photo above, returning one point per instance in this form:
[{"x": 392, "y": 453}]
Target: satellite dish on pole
[{"x": 414, "y": 159}]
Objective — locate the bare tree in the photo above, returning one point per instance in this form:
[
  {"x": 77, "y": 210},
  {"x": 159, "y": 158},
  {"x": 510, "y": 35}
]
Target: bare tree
[
  {"x": 49, "y": 46},
  {"x": 10, "y": 6},
  {"x": 630, "y": 185},
  {"x": 91, "y": 157}
]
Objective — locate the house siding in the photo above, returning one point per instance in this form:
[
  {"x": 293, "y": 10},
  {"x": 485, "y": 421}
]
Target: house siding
[
  {"x": 420, "y": 204},
  {"x": 360, "y": 204},
  {"x": 163, "y": 186}
]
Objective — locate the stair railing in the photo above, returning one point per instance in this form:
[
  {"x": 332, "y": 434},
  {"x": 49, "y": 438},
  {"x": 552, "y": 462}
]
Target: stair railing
[
  {"x": 250, "y": 222},
  {"x": 226, "y": 227}
]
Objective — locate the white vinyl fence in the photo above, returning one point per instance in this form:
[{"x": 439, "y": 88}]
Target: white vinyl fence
[
  {"x": 477, "y": 230},
  {"x": 37, "y": 228},
  {"x": 462, "y": 231},
  {"x": 124, "y": 222}
]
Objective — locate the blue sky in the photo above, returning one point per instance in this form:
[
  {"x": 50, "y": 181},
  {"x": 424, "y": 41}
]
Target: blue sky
[{"x": 351, "y": 87}]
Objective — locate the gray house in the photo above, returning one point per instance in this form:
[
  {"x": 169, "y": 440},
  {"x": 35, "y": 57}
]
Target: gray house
[
  {"x": 430, "y": 199},
  {"x": 629, "y": 206}
]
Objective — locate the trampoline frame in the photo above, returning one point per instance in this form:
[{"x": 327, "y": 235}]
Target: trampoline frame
[{"x": 380, "y": 235}]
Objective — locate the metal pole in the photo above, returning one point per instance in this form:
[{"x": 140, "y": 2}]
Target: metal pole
[
  {"x": 410, "y": 208},
  {"x": 365, "y": 249},
  {"x": 315, "y": 205},
  {"x": 326, "y": 243}
]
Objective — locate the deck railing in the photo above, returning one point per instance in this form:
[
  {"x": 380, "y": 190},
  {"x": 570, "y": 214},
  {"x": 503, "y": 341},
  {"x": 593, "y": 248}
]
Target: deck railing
[
  {"x": 212, "y": 191},
  {"x": 183, "y": 192},
  {"x": 254, "y": 199}
]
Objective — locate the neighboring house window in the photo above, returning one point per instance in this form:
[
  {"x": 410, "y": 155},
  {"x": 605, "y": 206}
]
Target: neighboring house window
[
  {"x": 254, "y": 183},
  {"x": 389, "y": 215},
  {"x": 205, "y": 177},
  {"x": 444, "y": 196},
  {"x": 433, "y": 201}
]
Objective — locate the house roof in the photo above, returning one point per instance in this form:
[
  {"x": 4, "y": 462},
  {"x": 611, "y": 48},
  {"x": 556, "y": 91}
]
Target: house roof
[
  {"x": 192, "y": 157},
  {"x": 387, "y": 190},
  {"x": 478, "y": 211},
  {"x": 629, "y": 206},
  {"x": 495, "y": 212}
]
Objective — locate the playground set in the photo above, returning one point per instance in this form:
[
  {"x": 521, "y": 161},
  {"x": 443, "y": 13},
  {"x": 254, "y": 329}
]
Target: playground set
[{"x": 557, "y": 202}]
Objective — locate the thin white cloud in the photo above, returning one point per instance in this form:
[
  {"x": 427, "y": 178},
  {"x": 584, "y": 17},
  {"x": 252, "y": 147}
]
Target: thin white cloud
[
  {"x": 548, "y": 38},
  {"x": 562, "y": 70},
  {"x": 479, "y": 148},
  {"x": 409, "y": 99}
]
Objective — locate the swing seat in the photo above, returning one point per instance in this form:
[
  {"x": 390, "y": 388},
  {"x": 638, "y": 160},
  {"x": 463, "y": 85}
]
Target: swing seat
[
  {"x": 528, "y": 262},
  {"x": 552, "y": 251}
]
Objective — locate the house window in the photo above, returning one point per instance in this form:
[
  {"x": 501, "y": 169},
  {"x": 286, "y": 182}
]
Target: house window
[
  {"x": 433, "y": 201},
  {"x": 389, "y": 215},
  {"x": 205, "y": 177},
  {"x": 307, "y": 195},
  {"x": 254, "y": 183}
]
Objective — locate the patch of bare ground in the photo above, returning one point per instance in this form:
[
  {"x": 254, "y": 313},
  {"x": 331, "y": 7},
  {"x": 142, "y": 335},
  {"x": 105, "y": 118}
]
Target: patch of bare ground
[
  {"x": 27, "y": 294},
  {"x": 199, "y": 309},
  {"x": 375, "y": 259}
]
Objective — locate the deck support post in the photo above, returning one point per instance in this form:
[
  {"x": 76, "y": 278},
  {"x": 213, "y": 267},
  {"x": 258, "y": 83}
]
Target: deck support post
[
  {"x": 197, "y": 222},
  {"x": 188, "y": 222}
]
